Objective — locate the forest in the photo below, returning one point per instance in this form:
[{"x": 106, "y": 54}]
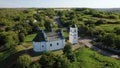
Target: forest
[{"x": 18, "y": 27}]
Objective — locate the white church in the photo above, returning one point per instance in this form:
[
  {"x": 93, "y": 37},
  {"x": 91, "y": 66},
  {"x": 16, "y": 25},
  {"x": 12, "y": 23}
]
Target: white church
[{"x": 53, "y": 40}]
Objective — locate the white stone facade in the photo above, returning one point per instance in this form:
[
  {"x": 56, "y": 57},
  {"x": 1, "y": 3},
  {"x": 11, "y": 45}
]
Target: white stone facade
[
  {"x": 54, "y": 40},
  {"x": 50, "y": 45},
  {"x": 73, "y": 35}
]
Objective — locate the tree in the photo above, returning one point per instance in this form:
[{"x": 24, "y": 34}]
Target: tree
[
  {"x": 117, "y": 42},
  {"x": 113, "y": 16},
  {"x": 71, "y": 56},
  {"x": 83, "y": 30},
  {"x": 41, "y": 24},
  {"x": 2, "y": 38},
  {"x": 109, "y": 39},
  {"x": 21, "y": 37},
  {"x": 67, "y": 49},
  {"x": 24, "y": 61},
  {"x": 47, "y": 60},
  {"x": 99, "y": 22},
  {"x": 117, "y": 30},
  {"x": 48, "y": 24},
  {"x": 35, "y": 65},
  {"x": 50, "y": 12},
  {"x": 90, "y": 21},
  {"x": 68, "y": 53},
  {"x": 8, "y": 39},
  {"x": 62, "y": 62},
  {"x": 9, "y": 42}
]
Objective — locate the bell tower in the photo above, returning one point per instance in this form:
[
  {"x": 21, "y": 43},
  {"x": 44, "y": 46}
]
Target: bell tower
[{"x": 73, "y": 34}]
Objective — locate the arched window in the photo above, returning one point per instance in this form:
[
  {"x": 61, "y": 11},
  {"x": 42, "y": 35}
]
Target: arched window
[
  {"x": 74, "y": 30},
  {"x": 51, "y": 45},
  {"x": 57, "y": 43}
]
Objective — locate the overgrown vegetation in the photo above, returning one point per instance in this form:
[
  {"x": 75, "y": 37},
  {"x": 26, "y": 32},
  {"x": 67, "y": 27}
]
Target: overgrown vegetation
[
  {"x": 18, "y": 27},
  {"x": 85, "y": 58}
]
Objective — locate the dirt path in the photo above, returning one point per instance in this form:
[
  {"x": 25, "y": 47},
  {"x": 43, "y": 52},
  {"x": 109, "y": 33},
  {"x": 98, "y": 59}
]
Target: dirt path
[
  {"x": 57, "y": 21},
  {"x": 86, "y": 42},
  {"x": 76, "y": 46}
]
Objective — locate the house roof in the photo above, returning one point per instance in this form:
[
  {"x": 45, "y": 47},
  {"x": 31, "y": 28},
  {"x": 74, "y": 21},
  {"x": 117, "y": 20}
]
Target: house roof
[
  {"x": 48, "y": 36},
  {"x": 73, "y": 25},
  {"x": 39, "y": 37}
]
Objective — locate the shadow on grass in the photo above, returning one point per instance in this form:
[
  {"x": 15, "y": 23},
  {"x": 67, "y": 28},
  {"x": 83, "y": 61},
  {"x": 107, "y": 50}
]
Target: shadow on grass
[
  {"x": 105, "y": 52},
  {"x": 11, "y": 60},
  {"x": 32, "y": 53}
]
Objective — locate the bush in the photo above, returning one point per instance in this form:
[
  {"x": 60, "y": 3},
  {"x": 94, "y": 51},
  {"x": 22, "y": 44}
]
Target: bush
[
  {"x": 24, "y": 61},
  {"x": 47, "y": 60},
  {"x": 67, "y": 49},
  {"x": 35, "y": 65}
]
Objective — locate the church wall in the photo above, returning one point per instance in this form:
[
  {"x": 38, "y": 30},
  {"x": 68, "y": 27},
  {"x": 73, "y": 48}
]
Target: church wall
[
  {"x": 55, "y": 45},
  {"x": 63, "y": 41},
  {"x": 39, "y": 46},
  {"x": 46, "y": 46}
]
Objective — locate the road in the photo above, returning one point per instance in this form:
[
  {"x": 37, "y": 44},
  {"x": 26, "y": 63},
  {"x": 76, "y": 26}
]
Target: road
[
  {"x": 57, "y": 21},
  {"x": 86, "y": 42}
]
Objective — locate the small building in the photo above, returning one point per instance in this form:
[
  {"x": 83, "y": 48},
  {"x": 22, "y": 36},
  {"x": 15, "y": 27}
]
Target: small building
[
  {"x": 45, "y": 41},
  {"x": 73, "y": 34}
]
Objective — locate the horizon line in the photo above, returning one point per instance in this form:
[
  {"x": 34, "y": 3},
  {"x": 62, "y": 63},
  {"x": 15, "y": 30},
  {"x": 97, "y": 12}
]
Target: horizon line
[{"x": 64, "y": 7}]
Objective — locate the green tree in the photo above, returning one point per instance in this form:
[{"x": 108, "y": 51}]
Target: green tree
[
  {"x": 41, "y": 24},
  {"x": 47, "y": 60},
  {"x": 67, "y": 49},
  {"x": 21, "y": 37},
  {"x": 71, "y": 56},
  {"x": 8, "y": 39},
  {"x": 24, "y": 61},
  {"x": 35, "y": 65},
  {"x": 117, "y": 42},
  {"x": 109, "y": 40},
  {"x": 68, "y": 53},
  {"x": 50, "y": 12},
  {"x": 9, "y": 42},
  {"x": 113, "y": 16},
  {"x": 62, "y": 62},
  {"x": 99, "y": 22},
  {"x": 117, "y": 30},
  {"x": 48, "y": 24}
]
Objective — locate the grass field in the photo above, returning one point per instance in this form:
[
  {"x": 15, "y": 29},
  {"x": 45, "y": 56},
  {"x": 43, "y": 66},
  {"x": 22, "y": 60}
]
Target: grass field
[
  {"x": 66, "y": 34},
  {"x": 108, "y": 27},
  {"x": 30, "y": 37},
  {"x": 106, "y": 19},
  {"x": 28, "y": 40},
  {"x": 91, "y": 59}
]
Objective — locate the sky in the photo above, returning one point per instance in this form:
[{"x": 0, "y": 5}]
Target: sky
[{"x": 60, "y": 3}]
